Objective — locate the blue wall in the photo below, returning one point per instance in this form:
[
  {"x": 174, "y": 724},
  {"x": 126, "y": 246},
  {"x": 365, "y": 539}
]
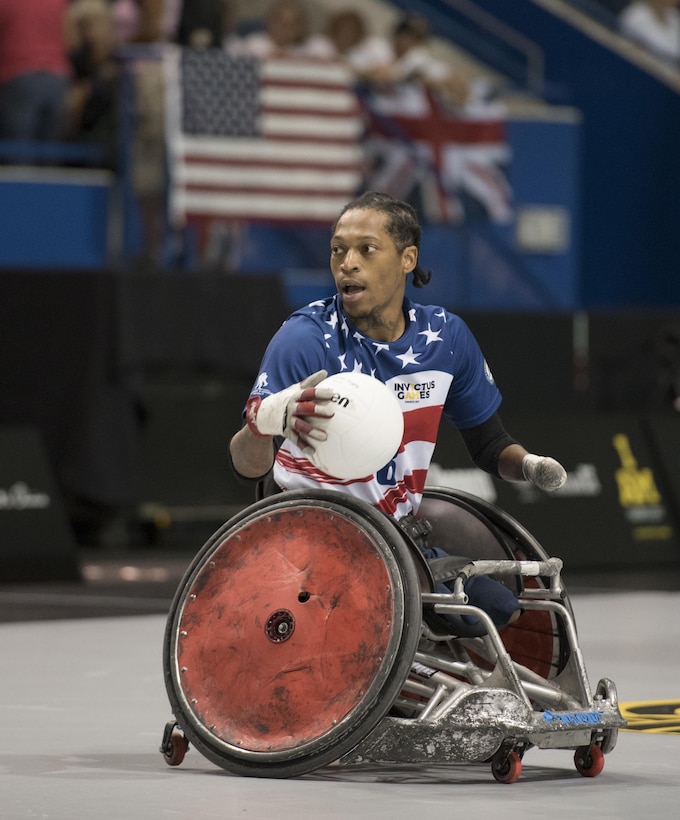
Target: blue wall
[
  {"x": 631, "y": 161},
  {"x": 54, "y": 218}
]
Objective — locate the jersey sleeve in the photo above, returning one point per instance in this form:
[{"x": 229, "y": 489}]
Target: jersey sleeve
[
  {"x": 295, "y": 351},
  {"x": 473, "y": 397}
]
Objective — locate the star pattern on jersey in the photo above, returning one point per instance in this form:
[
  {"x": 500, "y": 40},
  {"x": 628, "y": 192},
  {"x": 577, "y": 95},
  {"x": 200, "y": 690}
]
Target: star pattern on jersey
[
  {"x": 409, "y": 357},
  {"x": 333, "y": 321},
  {"x": 338, "y": 322},
  {"x": 431, "y": 335}
]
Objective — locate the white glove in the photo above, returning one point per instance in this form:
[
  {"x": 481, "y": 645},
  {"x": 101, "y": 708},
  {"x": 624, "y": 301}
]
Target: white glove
[
  {"x": 543, "y": 471},
  {"x": 300, "y": 412}
]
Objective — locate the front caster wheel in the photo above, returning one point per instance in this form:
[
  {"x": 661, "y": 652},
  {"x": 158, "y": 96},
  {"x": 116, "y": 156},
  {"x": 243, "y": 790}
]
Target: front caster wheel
[
  {"x": 589, "y": 760},
  {"x": 174, "y": 746},
  {"x": 506, "y": 767}
]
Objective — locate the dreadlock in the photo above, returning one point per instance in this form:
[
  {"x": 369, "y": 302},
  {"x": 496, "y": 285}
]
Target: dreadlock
[{"x": 401, "y": 224}]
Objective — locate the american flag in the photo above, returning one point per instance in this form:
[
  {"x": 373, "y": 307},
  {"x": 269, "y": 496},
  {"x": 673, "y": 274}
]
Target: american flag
[{"x": 275, "y": 140}]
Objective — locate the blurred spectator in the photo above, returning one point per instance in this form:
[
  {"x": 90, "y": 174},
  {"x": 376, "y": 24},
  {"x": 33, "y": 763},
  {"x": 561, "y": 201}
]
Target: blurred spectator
[
  {"x": 347, "y": 38},
  {"x": 146, "y": 21},
  {"x": 93, "y": 96},
  {"x": 150, "y": 23},
  {"x": 286, "y": 33},
  {"x": 126, "y": 20},
  {"x": 655, "y": 25},
  {"x": 205, "y": 23},
  {"x": 34, "y": 69},
  {"x": 414, "y": 62}
]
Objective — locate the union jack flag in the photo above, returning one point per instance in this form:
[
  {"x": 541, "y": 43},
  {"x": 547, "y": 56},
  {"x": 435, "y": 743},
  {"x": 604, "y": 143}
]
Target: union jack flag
[{"x": 437, "y": 158}]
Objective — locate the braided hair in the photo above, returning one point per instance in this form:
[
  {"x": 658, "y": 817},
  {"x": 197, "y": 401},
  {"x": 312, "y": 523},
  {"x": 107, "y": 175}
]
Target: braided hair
[{"x": 401, "y": 224}]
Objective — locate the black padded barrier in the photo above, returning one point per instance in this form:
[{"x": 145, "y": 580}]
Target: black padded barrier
[
  {"x": 36, "y": 542},
  {"x": 616, "y": 509},
  {"x": 78, "y": 350}
]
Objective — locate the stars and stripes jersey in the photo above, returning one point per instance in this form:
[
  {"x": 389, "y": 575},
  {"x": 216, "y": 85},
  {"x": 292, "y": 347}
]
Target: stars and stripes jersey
[{"x": 436, "y": 367}]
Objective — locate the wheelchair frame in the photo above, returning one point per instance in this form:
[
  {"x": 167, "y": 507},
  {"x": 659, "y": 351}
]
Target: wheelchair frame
[{"x": 300, "y": 580}]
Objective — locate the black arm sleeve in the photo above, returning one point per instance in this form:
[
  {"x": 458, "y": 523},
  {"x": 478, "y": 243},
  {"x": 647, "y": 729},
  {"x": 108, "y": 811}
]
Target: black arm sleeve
[{"x": 486, "y": 442}]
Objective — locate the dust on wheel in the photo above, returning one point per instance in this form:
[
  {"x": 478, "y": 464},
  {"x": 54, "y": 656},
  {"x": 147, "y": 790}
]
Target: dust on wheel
[{"x": 292, "y": 633}]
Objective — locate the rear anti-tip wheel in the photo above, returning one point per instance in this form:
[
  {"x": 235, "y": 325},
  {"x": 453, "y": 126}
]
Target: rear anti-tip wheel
[
  {"x": 506, "y": 767},
  {"x": 589, "y": 760}
]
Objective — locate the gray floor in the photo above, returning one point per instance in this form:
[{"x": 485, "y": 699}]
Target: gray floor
[{"x": 83, "y": 707}]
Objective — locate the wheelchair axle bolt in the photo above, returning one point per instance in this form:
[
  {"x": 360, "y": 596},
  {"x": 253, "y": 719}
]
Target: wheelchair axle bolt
[{"x": 279, "y": 626}]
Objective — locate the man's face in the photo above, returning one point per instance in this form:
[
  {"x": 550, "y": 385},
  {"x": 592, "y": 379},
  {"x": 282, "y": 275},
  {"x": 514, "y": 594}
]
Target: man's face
[
  {"x": 370, "y": 272},
  {"x": 288, "y": 27}
]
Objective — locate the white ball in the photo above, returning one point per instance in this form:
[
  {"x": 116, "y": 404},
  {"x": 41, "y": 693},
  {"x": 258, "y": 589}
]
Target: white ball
[{"x": 366, "y": 430}]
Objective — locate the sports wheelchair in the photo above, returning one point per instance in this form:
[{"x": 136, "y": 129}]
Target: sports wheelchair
[{"x": 308, "y": 632}]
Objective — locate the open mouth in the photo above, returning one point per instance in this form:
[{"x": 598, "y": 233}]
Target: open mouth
[{"x": 350, "y": 289}]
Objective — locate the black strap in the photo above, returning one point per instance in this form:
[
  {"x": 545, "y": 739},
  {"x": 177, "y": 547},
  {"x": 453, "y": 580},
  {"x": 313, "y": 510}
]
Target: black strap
[{"x": 417, "y": 529}]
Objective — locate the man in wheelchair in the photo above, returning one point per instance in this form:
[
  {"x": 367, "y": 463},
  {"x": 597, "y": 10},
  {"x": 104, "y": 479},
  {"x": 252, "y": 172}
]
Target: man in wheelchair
[
  {"x": 370, "y": 326},
  {"x": 319, "y": 626}
]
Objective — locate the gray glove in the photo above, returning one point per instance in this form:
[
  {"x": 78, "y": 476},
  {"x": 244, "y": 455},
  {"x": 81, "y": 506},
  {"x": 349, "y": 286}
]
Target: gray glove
[
  {"x": 299, "y": 412},
  {"x": 543, "y": 471}
]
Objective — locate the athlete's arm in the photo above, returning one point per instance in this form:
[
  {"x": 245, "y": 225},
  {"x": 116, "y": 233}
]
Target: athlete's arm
[
  {"x": 493, "y": 450},
  {"x": 252, "y": 456}
]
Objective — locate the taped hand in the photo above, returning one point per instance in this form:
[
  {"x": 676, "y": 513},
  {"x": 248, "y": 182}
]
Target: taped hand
[
  {"x": 299, "y": 413},
  {"x": 543, "y": 471}
]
